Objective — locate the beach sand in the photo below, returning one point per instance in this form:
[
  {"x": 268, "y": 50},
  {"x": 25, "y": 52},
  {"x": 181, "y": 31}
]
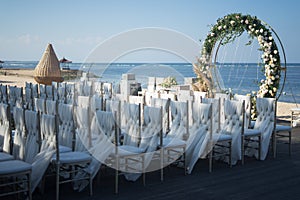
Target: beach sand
[{"x": 18, "y": 77}]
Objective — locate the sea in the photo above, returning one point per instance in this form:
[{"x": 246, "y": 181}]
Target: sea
[{"x": 239, "y": 78}]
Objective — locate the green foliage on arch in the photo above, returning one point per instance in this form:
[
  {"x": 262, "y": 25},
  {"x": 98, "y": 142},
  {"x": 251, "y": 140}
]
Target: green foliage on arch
[{"x": 227, "y": 29}]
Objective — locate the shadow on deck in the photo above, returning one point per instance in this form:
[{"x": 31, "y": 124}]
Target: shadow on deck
[{"x": 270, "y": 179}]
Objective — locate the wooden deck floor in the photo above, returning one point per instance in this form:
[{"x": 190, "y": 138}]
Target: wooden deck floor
[{"x": 270, "y": 179}]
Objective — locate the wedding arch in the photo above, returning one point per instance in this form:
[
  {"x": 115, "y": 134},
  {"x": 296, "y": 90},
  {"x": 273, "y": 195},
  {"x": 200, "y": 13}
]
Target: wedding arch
[{"x": 226, "y": 30}]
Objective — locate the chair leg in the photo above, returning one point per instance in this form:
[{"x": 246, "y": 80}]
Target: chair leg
[
  {"x": 162, "y": 164},
  {"x": 230, "y": 155},
  {"x": 274, "y": 145},
  {"x": 243, "y": 150},
  {"x": 29, "y": 186},
  {"x": 117, "y": 176},
  {"x": 290, "y": 143},
  {"x": 259, "y": 147},
  {"x": 210, "y": 160},
  {"x": 184, "y": 162},
  {"x": 91, "y": 185},
  {"x": 57, "y": 181},
  {"x": 143, "y": 170}
]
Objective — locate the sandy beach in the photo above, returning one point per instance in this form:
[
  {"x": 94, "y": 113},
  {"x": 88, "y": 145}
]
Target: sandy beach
[{"x": 18, "y": 77}]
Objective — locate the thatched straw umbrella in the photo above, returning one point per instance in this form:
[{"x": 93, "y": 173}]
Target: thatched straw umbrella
[{"x": 48, "y": 70}]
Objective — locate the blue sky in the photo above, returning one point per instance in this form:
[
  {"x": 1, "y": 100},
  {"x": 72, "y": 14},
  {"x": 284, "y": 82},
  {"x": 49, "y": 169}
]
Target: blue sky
[{"x": 75, "y": 27}]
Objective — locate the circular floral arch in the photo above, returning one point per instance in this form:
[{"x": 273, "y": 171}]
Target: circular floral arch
[{"x": 226, "y": 30}]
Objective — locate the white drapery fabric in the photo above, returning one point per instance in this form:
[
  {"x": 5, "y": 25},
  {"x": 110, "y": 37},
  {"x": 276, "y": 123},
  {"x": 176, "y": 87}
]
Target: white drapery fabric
[
  {"x": 83, "y": 134},
  {"x": 4, "y": 94},
  {"x": 233, "y": 126},
  {"x": 247, "y": 100},
  {"x": 42, "y": 159},
  {"x": 61, "y": 93},
  {"x": 102, "y": 133},
  {"x": 199, "y": 134},
  {"x": 51, "y": 107},
  {"x": 149, "y": 139},
  {"x": 40, "y": 105},
  {"x": 5, "y": 135},
  {"x": 49, "y": 92},
  {"x": 66, "y": 127},
  {"x": 15, "y": 96},
  {"x": 165, "y": 104},
  {"x": 33, "y": 137},
  {"x": 216, "y": 113},
  {"x": 179, "y": 120},
  {"x": 20, "y": 134},
  {"x": 265, "y": 108},
  {"x": 131, "y": 120}
]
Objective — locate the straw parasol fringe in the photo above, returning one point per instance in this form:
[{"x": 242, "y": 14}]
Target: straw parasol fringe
[{"x": 48, "y": 70}]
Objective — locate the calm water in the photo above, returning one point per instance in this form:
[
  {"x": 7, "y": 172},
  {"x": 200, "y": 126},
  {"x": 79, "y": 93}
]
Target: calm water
[{"x": 241, "y": 78}]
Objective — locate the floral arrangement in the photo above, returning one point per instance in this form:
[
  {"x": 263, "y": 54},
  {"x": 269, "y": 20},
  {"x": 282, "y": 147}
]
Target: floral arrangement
[
  {"x": 232, "y": 26},
  {"x": 169, "y": 82}
]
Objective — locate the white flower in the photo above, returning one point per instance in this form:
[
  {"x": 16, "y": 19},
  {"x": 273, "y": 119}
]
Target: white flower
[
  {"x": 274, "y": 89},
  {"x": 224, "y": 26},
  {"x": 277, "y": 76},
  {"x": 212, "y": 34},
  {"x": 271, "y": 92},
  {"x": 242, "y": 21},
  {"x": 261, "y": 30},
  {"x": 250, "y": 27},
  {"x": 246, "y": 21},
  {"x": 256, "y": 31},
  {"x": 274, "y": 59},
  {"x": 275, "y": 52},
  {"x": 219, "y": 27},
  {"x": 232, "y": 22},
  {"x": 237, "y": 16},
  {"x": 270, "y": 38}
]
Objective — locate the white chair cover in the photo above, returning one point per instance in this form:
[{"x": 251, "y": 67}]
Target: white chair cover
[
  {"x": 178, "y": 119},
  {"x": 49, "y": 92},
  {"x": 148, "y": 141},
  {"x": 66, "y": 127},
  {"x": 42, "y": 91},
  {"x": 132, "y": 121},
  {"x": 32, "y": 145},
  {"x": 20, "y": 134},
  {"x": 61, "y": 93},
  {"x": 40, "y": 105},
  {"x": 165, "y": 104},
  {"x": 70, "y": 93},
  {"x": 51, "y": 107},
  {"x": 215, "y": 113},
  {"x": 15, "y": 96},
  {"x": 199, "y": 133},
  {"x": 83, "y": 134},
  {"x": 247, "y": 100},
  {"x": 265, "y": 108},
  {"x": 5, "y": 135},
  {"x": 107, "y": 89},
  {"x": 83, "y": 101},
  {"x": 233, "y": 126},
  {"x": 102, "y": 130},
  {"x": 42, "y": 159},
  {"x": 4, "y": 94},
  {"x": 34, "y": 90}
]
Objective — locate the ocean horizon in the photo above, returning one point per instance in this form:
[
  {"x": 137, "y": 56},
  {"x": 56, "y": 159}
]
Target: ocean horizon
[{"x": 240, "y": 78}]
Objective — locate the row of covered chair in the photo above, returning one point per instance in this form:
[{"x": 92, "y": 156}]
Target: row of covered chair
[{"x": 128, "y": 136}]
